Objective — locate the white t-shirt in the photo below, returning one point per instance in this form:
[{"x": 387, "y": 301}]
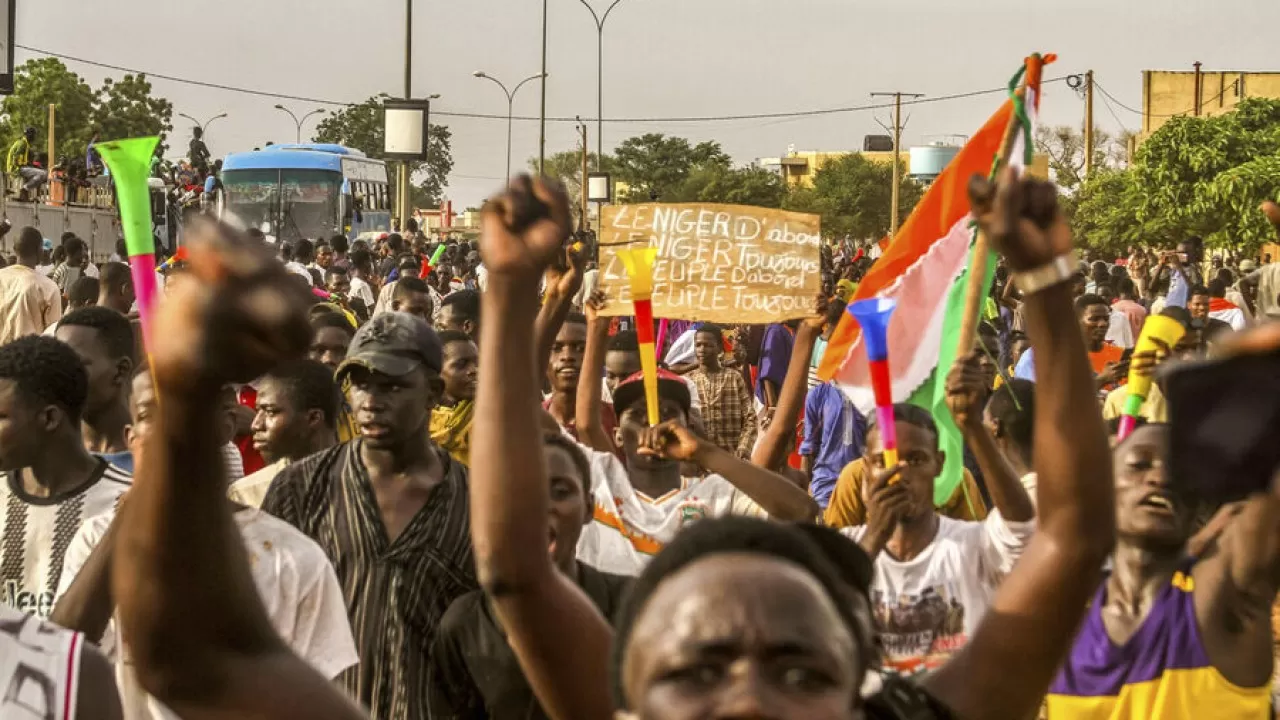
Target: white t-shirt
[
  {"x": 234, "y": 461},
  {"x": 251, "y": 489},
  {"x": 364, "y": 291},
  {"x": 295, "y": 581},
  {"x": 926, "y": 609},
  {"x": 298, "y": 268},
  {"x": 35, "y": 535},
  {"x": 628, "y": 528},
  {"x": 1120, "y": 332},
  {"x": 39, "y": 667}
]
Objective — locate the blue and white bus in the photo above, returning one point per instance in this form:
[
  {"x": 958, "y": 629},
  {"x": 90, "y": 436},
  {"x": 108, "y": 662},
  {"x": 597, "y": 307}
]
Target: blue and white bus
[{"x": 308, "y": 191}]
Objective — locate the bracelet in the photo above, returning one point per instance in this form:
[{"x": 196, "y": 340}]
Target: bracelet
[{"x": 1059, "y": 270}]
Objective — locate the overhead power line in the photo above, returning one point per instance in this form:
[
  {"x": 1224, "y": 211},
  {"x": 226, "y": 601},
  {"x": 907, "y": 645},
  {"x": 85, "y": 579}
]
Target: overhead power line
[
  {"x": 1188, "y": 111},
  {"x": 526, "y": 118}
]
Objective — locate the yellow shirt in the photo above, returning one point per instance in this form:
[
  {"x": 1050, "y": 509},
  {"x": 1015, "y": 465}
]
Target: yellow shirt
[
  {"x": 846, "y": 508},
  {"x": 1154, "y": 409},
  {"x": 451, "y": 429}
]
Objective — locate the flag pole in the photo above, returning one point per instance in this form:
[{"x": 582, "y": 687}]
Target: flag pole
[{"x": 978, "y": 259}]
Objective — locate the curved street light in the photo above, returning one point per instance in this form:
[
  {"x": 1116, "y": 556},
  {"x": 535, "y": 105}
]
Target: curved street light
[
  {"x": 298, "y": 123},
  {"x": 511, "y": 97},
  {"x": 600, "y": 21},
  {"x": 205, "y": 125}
]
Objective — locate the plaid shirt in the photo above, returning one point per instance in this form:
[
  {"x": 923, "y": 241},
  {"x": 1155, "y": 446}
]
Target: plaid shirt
[{"x": 727, "y": 411}]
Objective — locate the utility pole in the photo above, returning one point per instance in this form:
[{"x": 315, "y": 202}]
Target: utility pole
[
  {"x": 408, "y": 94},
  {"x": 582, "y": 129},
  {"x": 898, "y": 125},
  {"x": 1088, "y": 124},
  {"x": 542, "y": 114},
  {"x": 1199, "y": 88}
]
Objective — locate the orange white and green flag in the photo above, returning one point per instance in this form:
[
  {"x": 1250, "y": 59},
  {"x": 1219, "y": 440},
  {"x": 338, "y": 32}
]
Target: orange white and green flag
[{"x": 926, "y": 269}]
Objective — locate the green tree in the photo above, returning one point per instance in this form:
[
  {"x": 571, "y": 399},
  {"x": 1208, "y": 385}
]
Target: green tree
[
  {"x": 853, "y": 195},
  {"x": 654, "y": 166},
  {"x": 566, "y": 166},
  {"x": 362, "y": 127},
  {"x": 126, "y": 108},
  {"x": 1194, "y": 176},
  {"x": 37, "y": 85},
  {"x": 737, "y": 186}
]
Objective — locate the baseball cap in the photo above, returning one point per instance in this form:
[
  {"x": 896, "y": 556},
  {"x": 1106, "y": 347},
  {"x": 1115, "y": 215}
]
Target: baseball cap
[
  {"x": 670, "y": 385},
  {"x": 1248, "y": 266},
  {"x": 395, "y": 344}
]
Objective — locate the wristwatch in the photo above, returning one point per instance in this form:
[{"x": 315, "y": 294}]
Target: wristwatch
[{"x": 1059, "y": 270}]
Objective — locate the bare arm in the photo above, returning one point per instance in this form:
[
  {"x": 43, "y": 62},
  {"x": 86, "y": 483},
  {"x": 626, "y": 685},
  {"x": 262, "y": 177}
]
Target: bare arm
[
  {"x": 966, "y": 396},
  {"x": 179, "y": 553},
  {"x": 772, "y": 449},
  {"x": 775, "y": 494},
  {"x": 87, "y": 604},
  {"x": 96, "y": 695},
  {"x": 591, "y": 430},
  {"x": 562, "y": 284},
  {"x": 560, "y": 639},
  {"x": 1009, "y": 662}
]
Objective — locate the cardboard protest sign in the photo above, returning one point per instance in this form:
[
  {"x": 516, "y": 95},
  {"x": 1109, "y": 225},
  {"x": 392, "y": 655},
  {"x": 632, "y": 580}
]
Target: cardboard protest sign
[{"x": 726, "y": 264}]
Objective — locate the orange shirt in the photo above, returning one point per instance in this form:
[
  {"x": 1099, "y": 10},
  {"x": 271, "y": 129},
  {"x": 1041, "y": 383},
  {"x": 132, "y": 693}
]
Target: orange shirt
[{"x": 1108, "y": 354}]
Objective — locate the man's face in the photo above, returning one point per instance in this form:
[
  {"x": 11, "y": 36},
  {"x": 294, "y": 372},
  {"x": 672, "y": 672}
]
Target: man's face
[
  {"x": 1198, "y": 306},
  {"x": 391, "y": 411},
  {"x": 618, "y": 366},
  {"x": 324, "y": 256},
  {"x": 107, "y": 375},
  {"x": 1079, "y": 284},
  {"x": 339, "y": 284},
  {"x": 1095, "y": 321},
  {"x": 1149, "y": 509},
  {"x": 413, "y": 303},
  {"x": 279, "y": 429},
  {"x": 707, "y": 349},
  {"x": 451, "y": 319},
  {"x": 461, "y": 368},
  {"x": 635, "y": 420},
  {"x": 566, "y": 357},
  {"x": 986, "y": 361},
  {"x": 142, "y": 410},
  {"x": 921, "y": 461},
  {"x": 569, "y": 509},
  {"x": 22, "y": 427},
  {"x": 329, "y": 346}
]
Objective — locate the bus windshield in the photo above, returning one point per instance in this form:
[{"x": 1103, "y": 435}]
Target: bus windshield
[{"x": 293, "y": 204}]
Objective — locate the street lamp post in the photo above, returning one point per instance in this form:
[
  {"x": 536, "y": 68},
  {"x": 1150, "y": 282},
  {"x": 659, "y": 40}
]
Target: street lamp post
[
  {"x": 600, "y": 21},
  {"x": 511, "y": 98},
  {"x": 205, "y": 125},
  {"x": 298, "y": 123}
]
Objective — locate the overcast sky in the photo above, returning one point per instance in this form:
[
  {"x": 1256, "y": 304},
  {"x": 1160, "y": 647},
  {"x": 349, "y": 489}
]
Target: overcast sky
[{"x": 663, "y": 58}]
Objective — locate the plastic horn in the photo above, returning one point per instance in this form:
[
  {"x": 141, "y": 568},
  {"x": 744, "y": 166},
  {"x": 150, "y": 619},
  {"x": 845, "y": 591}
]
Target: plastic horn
[
  {"x": 639, "y": 265},
  {"x": 873, "y": 315},
  {"x": 428, "y": 264},
  {"x": 130, "y": 164},
  {"x": 1158, "y": 329}
]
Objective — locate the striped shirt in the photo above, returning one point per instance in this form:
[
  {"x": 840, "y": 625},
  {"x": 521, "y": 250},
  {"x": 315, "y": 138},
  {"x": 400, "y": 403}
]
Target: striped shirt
[
  {"x": 396, "y": 592},
  {"x": 36, "y": 531}
]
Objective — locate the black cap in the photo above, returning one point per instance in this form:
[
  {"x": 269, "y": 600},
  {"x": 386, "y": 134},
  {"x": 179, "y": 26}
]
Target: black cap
[{"x": 395, "y": 344}]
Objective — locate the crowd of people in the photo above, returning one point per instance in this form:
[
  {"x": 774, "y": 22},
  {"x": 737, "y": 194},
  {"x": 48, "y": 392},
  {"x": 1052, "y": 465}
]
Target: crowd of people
[{"x": 345, "y": 482}]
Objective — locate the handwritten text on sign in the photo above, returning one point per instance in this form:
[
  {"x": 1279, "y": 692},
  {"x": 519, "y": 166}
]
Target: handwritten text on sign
[{"x": 718, "y": 263}]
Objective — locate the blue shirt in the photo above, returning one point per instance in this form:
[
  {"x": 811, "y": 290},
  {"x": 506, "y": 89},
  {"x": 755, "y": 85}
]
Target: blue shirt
[
  {"x": 122, "y": 460},
  {"x": 1026, "y": 367},
  {"x": 775, "y": 356},
  {"x": 834, "y": 433}
]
